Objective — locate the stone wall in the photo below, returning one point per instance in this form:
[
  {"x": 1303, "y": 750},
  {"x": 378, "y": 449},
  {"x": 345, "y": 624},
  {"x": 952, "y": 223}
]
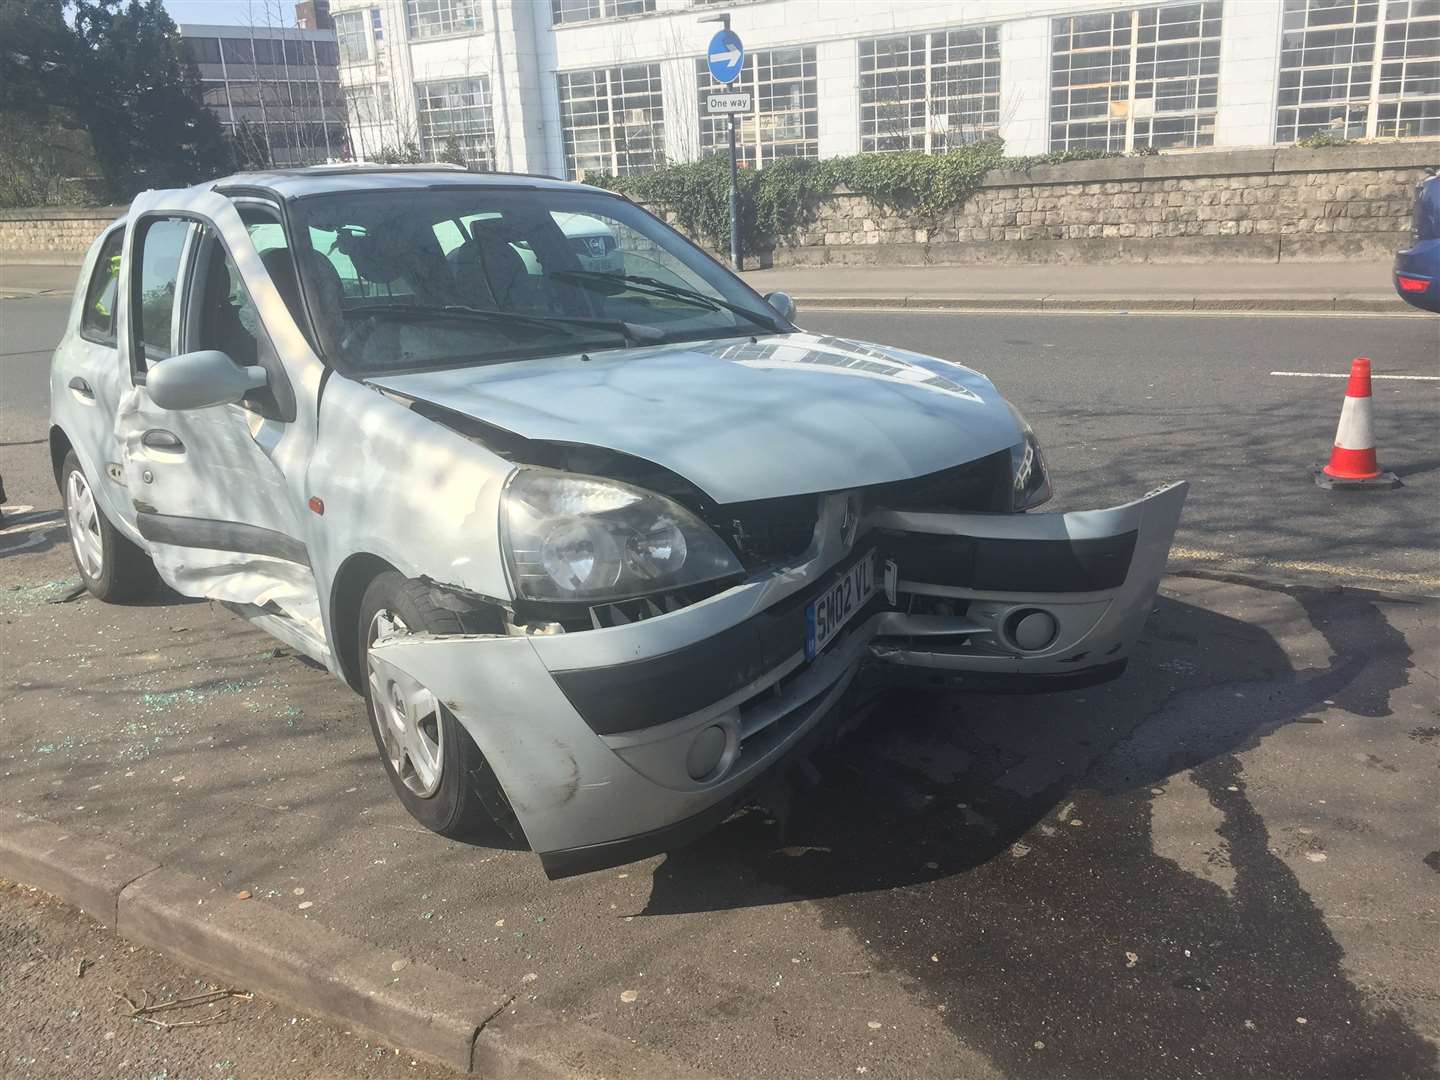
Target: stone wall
[
  {"x": 50, "y": 235},
  {"x": 1348, "y": 202},
  {"x": 1291, "y": 204}
]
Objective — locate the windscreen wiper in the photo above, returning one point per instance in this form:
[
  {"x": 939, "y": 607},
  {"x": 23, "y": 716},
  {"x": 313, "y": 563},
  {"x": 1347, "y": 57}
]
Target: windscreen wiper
[
  {"x": 635, "y": 333},
  {"x": 664, "y": 288}
]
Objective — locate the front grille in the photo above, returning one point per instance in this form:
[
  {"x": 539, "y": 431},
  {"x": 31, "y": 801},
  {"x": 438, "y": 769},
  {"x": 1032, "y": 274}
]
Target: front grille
[
  {"x": 771, "y": 532},
  {"x": 767, "y": 531},
  {"x": 976, "y": 486}
]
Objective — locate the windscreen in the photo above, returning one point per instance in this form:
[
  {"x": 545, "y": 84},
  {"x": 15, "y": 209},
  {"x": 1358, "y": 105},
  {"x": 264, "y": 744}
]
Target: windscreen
[{"x": 403, "y": 280}]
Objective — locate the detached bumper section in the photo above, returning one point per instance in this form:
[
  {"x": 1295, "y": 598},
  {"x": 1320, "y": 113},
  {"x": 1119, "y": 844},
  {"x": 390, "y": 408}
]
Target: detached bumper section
[
  {"x": 618, "y": 743},
  {"x": 1026, "y": 602}
]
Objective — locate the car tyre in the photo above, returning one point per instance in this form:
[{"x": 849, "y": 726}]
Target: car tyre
[
  {"x": 112, "y": 567},
  {"x": 437, "y": 771}
]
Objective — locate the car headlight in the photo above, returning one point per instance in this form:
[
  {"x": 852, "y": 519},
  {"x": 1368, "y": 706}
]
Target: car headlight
[
  {"x": 569, "y": 537},
  {"x": 1031, "y": 481}
]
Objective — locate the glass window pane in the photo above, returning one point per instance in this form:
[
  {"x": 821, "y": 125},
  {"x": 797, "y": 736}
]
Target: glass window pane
[
  {"x": 161, "y": 244},
  {"x": 456, "y": 113},
  {"x": 98, "y": 319}
]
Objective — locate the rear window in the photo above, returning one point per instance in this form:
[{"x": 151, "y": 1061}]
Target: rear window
[{"x": 97, "y": 322}]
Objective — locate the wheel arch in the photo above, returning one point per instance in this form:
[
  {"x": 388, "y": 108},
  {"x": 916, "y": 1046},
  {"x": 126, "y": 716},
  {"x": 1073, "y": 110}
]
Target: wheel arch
[
  {"x": 348, "y": 590},
  {"x": 60, "y": 445}
]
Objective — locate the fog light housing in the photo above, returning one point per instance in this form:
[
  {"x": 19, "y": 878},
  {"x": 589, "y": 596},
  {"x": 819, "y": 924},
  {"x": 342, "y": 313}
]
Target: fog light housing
[
  {"x": 709, "y": 753},
  {"x": 1031, "y": 629}
]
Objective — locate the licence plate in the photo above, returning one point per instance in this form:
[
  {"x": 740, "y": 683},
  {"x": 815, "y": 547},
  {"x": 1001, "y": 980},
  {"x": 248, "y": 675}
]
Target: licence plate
[{"x": 832, "y": 609}]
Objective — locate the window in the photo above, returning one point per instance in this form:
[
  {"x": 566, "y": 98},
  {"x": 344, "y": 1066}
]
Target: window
[
  {"x": 351, "y": 38},
  {"x": 930, "y": 91},
  {"x": 202, "y": 50},
  {"x": 244, "y": 93},
  {"x": 613, "y": 120},
  {"x": 326, "y": 53},
  {"x": 394, "y": 303},
  {"x": 222, "y": 316},
  {"x": 1143, "y": 77},
  {"x": 237, "y": 51},
  {"x": 161, "y": 242},
  {"x": 1332, "y": 81},
  {"x": 784, "y": 118},
  {"x": 442, "y": 18},
  {"x": 568, "y": 11},
  {"x": 299, "y": 52},
  {"x": 377, "y": 28},
  {"x": 97, "y": 321},
  {"x": 369, "y": 103},
  {"x": 1410, "y": 71},
  {"x": 457, "y": 109},
  {"x": 227, "y": 320},
  {"x": 1327, "y": 61}
]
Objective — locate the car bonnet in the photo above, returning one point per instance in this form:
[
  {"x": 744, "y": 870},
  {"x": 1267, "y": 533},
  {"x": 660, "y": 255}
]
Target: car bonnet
[{"x": 743, "y": 418}]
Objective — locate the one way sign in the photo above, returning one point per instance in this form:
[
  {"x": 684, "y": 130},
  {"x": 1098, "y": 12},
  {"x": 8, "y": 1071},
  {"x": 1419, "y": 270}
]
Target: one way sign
[{"x": 726, "y": 56}]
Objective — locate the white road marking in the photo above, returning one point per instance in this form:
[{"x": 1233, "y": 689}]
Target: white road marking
[
  {"x": 1346, "y": 375},
  {"x": 47, "y": 522}
]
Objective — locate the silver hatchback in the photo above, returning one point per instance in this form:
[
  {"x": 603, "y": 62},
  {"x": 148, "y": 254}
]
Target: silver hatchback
[{"x": 600, "y": 535}]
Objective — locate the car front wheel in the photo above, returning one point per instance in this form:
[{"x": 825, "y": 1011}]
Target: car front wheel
[
  {"x": 434, "y": 766},
  {"x": 112, "y": 568}
]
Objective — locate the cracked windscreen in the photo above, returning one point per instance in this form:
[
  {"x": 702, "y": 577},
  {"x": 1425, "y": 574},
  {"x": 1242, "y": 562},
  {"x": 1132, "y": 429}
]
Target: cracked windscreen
[{"x": 402, "y": 280}]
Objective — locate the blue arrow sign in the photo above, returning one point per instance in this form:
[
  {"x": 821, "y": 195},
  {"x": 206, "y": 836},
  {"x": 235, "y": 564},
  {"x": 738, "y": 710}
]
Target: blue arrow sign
[{"x": 726, "y": 56}]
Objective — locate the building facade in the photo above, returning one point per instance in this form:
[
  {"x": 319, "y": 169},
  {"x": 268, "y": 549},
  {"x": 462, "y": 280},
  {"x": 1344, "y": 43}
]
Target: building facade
[
  {"x": 276, "y": 90},
  {"x": 565, "y": 87}
]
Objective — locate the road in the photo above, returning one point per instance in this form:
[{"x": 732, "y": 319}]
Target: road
[
  {"x": 1122, "y": 403},
  {"x": 1221, "y": 865}
]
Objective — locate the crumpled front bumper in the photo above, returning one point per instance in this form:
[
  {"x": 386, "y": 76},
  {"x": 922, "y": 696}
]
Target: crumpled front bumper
[{"x": 616, "y": 743}]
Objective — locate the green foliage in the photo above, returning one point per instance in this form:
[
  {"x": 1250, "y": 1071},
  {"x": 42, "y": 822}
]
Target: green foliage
[
  {"x": 1318, "y": 140},
  {"x": 782, "y": 198},
  {"x": 116, "y": 72},
  {"x": 46, "y": 161},
  {"x": 36, "y": 57},
  {"x": 404, "y": 154},
  {"x": 452, "y": 152},
  {"x": 140, "y": 99}
]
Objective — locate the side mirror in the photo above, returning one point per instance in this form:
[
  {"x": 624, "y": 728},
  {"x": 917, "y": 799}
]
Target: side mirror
[
  {"x": 198, "y": 380},
  {"x": 782, "y": 303}
]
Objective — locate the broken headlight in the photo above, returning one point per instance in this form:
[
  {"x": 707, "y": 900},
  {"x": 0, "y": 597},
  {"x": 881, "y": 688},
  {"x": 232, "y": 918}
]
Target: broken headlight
[
  {"x": 569, "y": 537},
  {"x": 1031, "y": 482}
]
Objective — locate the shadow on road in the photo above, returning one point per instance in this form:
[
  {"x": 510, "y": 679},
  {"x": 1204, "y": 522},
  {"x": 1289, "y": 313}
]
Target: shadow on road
[{"x": 1000, "y": 855}]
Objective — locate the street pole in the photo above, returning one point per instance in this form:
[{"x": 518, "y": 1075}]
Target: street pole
[
  {"x": 734, "y": 197},
  {"x": 724, "y": 20}
]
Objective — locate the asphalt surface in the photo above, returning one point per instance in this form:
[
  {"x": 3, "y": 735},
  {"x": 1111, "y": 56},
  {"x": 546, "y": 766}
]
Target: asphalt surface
[
  {"x": 1122, "y": 404},
  {"x": 61, "y": 1013},
  {"x": 1222, "y": 865}
]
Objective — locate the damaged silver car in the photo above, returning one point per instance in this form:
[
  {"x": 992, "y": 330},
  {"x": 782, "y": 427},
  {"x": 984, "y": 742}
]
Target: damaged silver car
[{"x": 599, "y": 534}]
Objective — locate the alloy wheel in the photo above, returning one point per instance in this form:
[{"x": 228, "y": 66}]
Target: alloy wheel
[
  {"x": 406, "y": 715},
  {"x": 83, "y": 517}
]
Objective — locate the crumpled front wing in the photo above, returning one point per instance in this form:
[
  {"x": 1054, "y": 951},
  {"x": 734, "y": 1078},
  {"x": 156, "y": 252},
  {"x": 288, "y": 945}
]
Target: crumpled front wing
[{"x": 594, "y": 735}]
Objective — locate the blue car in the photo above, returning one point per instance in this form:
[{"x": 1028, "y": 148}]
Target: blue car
[{"x": 1417, "y": 268}]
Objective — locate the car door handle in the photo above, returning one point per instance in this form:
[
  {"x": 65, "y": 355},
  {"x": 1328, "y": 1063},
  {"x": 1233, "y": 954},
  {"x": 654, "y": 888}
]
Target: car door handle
[
  {"x": 81, "y": 387},
  {"x": 158, "y": 439}
]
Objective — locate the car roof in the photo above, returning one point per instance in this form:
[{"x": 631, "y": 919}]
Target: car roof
[{"x": 362, "y": 176}]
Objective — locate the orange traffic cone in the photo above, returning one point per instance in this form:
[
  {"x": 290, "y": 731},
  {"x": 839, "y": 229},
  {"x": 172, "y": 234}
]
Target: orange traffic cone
[{"x": 1352, "y": 459}]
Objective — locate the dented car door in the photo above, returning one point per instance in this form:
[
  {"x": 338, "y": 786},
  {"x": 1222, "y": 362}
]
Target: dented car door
[{"x": 218, "y": 490}]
